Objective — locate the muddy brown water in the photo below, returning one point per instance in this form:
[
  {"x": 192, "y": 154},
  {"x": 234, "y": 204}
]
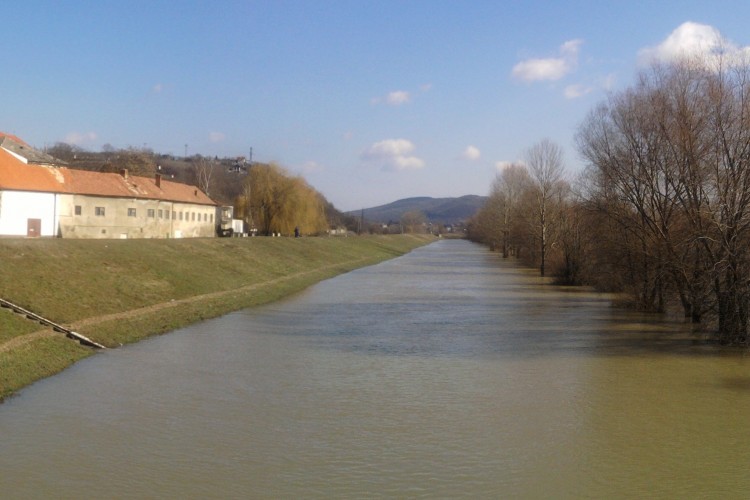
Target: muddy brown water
[{"x": 446, "y": 373}]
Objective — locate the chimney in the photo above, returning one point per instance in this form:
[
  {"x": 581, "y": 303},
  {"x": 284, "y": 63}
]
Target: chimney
[
  {"x": 124, "y": 173},
  {"x": 157, "y": 179}
]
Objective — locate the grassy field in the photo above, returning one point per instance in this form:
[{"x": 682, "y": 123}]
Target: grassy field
[{"x": 120, "y": 291}]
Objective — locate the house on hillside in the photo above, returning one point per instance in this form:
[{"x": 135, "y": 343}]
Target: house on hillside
[{"x": 40, "y": 197}]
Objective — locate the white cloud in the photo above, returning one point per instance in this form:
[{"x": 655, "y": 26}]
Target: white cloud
[
  {"x": 406, "y": 163},
  {"x": 472, "y": 153},
  {"x": 552, "y": 68},
  {"x": 395, "y": 98},
  {"x": 577, "y": 90},
  {"x": 691, "y": 40},
  {"x": 398, "y": 97},
  {"x": 426, "y": 87},
  {"x": 571, "y": 48},
  {"x": 78, "y": 138},
  {"x": 389, "y": 147},
  {"x": 215, "y": 137},
  {"x": 393, "y": 154}
]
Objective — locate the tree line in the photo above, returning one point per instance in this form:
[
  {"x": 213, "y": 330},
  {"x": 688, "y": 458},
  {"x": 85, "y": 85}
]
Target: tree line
[{"x": 661, "y": 211}]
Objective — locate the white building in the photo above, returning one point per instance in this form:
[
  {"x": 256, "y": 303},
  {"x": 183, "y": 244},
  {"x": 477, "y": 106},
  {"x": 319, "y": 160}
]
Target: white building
[{"x": 40, "y": 198}]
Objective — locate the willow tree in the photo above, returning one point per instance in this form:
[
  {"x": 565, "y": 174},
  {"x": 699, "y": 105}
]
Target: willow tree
[{"x": 278, "y": 202}]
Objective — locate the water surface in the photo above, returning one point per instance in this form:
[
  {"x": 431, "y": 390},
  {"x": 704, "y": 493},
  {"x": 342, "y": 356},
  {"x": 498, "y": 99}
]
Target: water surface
[{"x": 445, "y": 373}]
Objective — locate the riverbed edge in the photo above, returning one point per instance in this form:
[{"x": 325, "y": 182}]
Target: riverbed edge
[{"x": 48, "y": 354}]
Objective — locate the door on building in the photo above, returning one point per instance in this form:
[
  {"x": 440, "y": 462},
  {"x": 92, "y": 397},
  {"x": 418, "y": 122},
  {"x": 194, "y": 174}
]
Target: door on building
[{"x": 33, "y": 228}]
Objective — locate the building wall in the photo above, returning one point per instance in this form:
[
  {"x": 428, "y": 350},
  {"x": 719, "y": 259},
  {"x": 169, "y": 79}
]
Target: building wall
[
  {"x": 17, "y": 207},
  {"x": 81, "y": 216},
  {"x": 101, "y": 217}
]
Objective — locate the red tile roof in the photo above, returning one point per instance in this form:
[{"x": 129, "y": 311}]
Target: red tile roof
[
  {"x": 15, "y": 175},
  {"x": 13, "y": 138}
]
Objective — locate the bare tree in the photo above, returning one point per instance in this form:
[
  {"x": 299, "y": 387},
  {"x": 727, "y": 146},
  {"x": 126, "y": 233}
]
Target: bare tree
[
  {"x": 137, "y": 161},
  {"x": 675, "y": 151},
  {"x": 486, "y": 225},
  {"x": 203, "y": 168},
  {"x": 545, "y": 163},
  {"x": 508, "y": 188},
  {"x": 413, "y": 221}
]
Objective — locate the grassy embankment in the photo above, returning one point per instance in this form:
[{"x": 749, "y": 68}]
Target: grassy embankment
[{"x": 120, "y": 291}]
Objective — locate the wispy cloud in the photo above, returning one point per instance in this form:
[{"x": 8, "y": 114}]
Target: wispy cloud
[
  {"x": 398, "y": 98},
  {"x": 80, "y": 138},
  {"x": 157, "y": 89},
  {"x": 693, "y": 40},
  {"x": 472, "y": 153},
  {"x": 215, "y": 137},
  {"x": 552, "y": 68},
  {"x": 607, "y": 82},
  {"x": 577, "y": 90},
  {"x": 395, "y": 98},
  {"x": 393, "y": 155}
]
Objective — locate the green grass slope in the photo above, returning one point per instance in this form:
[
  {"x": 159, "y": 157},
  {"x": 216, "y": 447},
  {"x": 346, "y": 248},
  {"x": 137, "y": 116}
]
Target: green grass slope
[{"x": 120, "y": 291}]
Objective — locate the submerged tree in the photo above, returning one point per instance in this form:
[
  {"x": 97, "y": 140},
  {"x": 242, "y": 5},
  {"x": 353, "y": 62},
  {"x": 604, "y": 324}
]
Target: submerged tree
[{"x": 671, "y": 157}]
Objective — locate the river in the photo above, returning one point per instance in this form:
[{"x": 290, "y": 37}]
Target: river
[{"x": 445, "y": 373}]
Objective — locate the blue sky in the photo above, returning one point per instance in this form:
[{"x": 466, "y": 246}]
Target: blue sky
[{"x": 369, "y": 101}]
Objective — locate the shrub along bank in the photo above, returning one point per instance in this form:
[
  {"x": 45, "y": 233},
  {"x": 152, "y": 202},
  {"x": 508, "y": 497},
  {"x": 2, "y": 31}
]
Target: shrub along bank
[{"x": 120, "y": 291}]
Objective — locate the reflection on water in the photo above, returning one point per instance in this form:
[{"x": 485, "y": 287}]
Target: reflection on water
[{"x": 444, "y": 373}]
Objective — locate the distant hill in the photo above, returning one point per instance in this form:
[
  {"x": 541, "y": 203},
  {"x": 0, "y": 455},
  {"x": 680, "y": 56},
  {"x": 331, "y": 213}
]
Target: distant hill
[{"x": 437, "y": 210}]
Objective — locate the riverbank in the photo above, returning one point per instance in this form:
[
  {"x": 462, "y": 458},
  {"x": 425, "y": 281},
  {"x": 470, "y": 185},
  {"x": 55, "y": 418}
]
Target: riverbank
[{"x": 121, "y": 291}]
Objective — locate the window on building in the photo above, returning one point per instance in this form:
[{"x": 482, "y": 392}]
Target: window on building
[
  {"x": 174, "y": 214},
  {"x": 131, "y": 212},
  {"x": 193, "y": 215},
  {"x": 99, "y": 211},
  {"x": 161, "y": 213},
  {"x": 212, "y": 218},
  {"x": 180, "y": 215},
  {"x": 78, "y": 209},
  {"x": 151, "y": 213}
]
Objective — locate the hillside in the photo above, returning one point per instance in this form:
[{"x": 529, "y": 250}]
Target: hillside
[{"x": 437, "y": 210}]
